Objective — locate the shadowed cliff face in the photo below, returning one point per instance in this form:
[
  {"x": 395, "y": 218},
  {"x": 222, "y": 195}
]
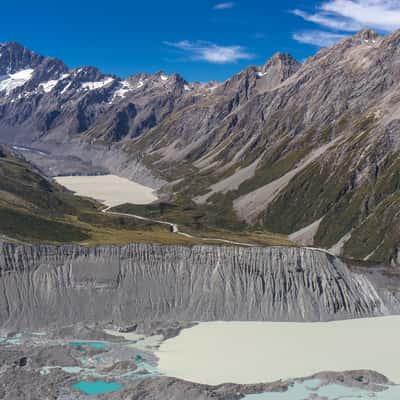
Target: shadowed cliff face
[{"x": 41, "y": 285}]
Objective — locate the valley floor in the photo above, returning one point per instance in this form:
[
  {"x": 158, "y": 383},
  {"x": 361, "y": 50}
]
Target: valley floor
[{"x": 120, "y": 194}]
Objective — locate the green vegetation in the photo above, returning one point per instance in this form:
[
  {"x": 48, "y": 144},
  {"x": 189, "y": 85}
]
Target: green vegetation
[
  {"x": 23, "y": 226},
  {"x": 307, "y": 198},
  {"x": 340, "y": 219},
  {"x": 272, "y": 169},
  {"x": 193, "y": 217},
  {"x": 379, "y": 234},
  {"x": 370, "y": 211},
  {"x": 101, "y": 220},
  {"x": 205, "y": 221}
]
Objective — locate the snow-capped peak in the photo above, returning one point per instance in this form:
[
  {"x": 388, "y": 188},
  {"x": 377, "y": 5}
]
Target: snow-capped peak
[{"x": 11, "y": 81}]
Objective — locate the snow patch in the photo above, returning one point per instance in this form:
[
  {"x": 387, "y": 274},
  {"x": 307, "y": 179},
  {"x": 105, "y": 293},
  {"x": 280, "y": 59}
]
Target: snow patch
[
  {"x": 261, "y": 74},
  {"x": 164, "y": 78},
  {"x": 11, "y": 81},
  {"x": 124, "y": 88},
  {"x": 49, "y": 86},
  {"x": 66, "y": 87},
  {"x": 96, "y": 85}
]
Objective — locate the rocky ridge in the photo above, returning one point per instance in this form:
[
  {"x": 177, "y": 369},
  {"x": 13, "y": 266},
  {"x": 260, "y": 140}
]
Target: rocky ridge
[{"x": 311, "y": 148}]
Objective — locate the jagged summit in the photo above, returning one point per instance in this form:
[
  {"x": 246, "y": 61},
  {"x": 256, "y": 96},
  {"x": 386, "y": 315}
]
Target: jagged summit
[
  {"x": 367, "y": 34},
  {"x": 284, "y": 57},
  {"x": 14, "y": 57},
  {"x": 283, "y": 65},
  {"x": 13, "y": 45}
]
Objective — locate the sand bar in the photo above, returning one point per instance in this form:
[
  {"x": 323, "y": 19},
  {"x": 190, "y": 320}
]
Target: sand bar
[
  {"x": 252, "y": 352},
  {"x": 111, "y": 190}
]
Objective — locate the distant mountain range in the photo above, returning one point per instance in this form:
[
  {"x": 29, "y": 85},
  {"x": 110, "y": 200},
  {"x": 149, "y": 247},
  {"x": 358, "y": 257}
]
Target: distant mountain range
[{"x": 309, "y": 150}]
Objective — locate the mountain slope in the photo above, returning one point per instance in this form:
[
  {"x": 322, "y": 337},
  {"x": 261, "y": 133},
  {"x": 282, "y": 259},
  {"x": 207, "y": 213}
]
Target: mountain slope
[
  {"x": 34, "y": 208},
  {"x": 310, "y": 148}
]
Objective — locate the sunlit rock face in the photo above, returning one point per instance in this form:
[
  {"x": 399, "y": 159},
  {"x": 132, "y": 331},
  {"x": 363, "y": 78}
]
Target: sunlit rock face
[{"x": 44, "y": 284}]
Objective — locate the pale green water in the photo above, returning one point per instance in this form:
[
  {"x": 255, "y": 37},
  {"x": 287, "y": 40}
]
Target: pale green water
[
  {"x": 251, "y": 352},
  {"x": 97, "y": 387},
  {"x": 310, "y": 389},
  {"x": 143, "y": 365}
]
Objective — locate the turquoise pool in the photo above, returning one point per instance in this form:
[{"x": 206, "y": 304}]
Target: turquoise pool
[
  {"x": 93, "y": 345},
  {"x": 97, "y": 387}
]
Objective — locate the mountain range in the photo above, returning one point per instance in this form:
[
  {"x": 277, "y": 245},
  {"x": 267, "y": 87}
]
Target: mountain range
[{"x": 307, "y": 150}]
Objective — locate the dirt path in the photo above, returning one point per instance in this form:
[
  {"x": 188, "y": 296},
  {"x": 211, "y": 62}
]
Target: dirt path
[{"x": 175, "y": 229}]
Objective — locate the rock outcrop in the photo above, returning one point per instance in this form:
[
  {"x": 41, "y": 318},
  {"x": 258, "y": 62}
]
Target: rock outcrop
[{"x": 42, "y": 285}]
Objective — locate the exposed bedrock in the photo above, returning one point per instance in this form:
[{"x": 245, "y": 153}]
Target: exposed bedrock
[{"x": 42, "y": 284}]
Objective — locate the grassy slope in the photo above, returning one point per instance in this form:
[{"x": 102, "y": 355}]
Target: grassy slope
[
  {"x": 37, "y": 210},
  {"x": 370, "y": 211},
  {"x": 200, "y": 221}
]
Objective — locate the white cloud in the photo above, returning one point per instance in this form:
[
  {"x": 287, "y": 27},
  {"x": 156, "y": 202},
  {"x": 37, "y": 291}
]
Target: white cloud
[
  {"x": 211, "y": 52},
  {"x": 329, "y": 22},
  {"x": 224, "y": 6},
  {"x": 352, "y": 15},
  {"x": 318, "y": 38}
]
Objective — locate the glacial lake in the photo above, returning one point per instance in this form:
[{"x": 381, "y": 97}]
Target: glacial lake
[
  {"x": 312, "y": 389},
  {"x": 97, "y": 387},
  {"x": 252, "y": 352},
  {"x": 111, "y": 190}
]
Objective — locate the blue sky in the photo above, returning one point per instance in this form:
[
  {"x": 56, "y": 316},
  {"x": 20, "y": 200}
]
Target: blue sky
[{"x": 202, "y": 40}]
